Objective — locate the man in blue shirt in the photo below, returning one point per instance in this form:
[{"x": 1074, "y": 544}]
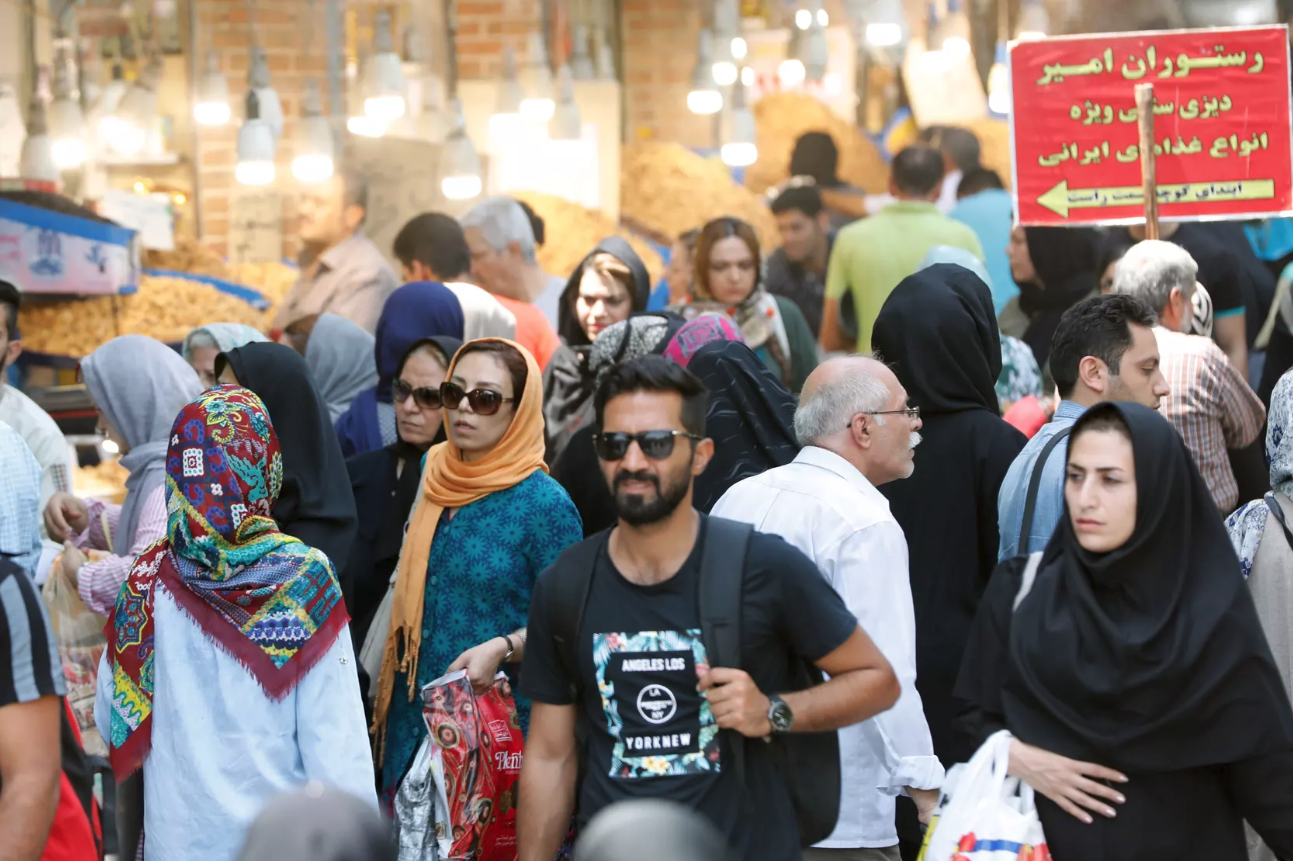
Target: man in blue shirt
[{"x": 1103, "y": 350}]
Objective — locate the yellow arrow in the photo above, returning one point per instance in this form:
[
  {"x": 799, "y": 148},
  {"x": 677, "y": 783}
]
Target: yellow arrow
[{"x": 1061, "y": 198}]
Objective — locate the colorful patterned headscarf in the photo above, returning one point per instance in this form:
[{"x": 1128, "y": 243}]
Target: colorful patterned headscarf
[
  {"x": 705, "y": 329},
  {"x": 268, "y": 600}
]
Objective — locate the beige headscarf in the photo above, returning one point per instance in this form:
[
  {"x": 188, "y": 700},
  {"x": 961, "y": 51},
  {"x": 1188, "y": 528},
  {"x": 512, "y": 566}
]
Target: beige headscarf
[{"x": 448, "y": 481}]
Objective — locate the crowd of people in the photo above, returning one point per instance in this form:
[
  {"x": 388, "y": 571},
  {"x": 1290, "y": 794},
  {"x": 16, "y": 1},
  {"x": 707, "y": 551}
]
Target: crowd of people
[{"x": 780, "y": 540}]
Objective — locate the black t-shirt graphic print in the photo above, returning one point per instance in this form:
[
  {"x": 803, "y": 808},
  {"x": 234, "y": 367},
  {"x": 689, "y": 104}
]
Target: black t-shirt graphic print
[{"x": 661, "y": 723}]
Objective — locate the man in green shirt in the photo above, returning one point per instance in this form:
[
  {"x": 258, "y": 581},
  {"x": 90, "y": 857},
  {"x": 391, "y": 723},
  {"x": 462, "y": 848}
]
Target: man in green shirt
[{"x": 871, "y": 256}]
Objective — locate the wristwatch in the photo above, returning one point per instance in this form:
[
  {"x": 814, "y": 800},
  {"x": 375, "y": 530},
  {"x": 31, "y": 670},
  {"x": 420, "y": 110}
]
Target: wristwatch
[{"x": 779, "y": 715}]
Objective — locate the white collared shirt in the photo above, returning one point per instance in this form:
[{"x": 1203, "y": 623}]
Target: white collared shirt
[{"x": 822, "y": 505}]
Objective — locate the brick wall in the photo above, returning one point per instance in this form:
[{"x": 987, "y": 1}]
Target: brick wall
[
  {"x": 658, "y": 56},
  {"x": 283, "y": 29},
  {"x": 486, "y": 27}
]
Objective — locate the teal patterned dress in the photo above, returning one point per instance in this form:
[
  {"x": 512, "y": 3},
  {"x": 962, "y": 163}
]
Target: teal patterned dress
[{"x": 480, "y": 574}]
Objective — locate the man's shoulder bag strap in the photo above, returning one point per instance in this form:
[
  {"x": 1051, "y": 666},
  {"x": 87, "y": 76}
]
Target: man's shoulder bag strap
[
  {"x": 1034, "y": 485},
  {"x": 722, "y": 578}
]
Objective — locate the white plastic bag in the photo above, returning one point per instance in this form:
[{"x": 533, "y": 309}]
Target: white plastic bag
[
  {"x": 78, "y": 630},
  {"x": 986, "y": 815}
]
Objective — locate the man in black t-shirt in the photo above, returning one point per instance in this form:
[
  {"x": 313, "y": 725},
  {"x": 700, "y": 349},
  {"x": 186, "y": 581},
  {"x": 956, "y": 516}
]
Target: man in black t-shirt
[{"x": 650, "y": 704}]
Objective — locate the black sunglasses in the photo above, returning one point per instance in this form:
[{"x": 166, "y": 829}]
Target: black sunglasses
[
  {"x": 427, "y": 397},
  {"x": 483, "y": 401},
  {"x": 655, "y": 444}
]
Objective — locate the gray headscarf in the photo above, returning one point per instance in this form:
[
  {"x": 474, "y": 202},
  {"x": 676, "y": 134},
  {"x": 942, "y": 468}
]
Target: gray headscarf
[
  {"x": 341, "y": 360},
  {"x": 318, "y": 824},
  {"x": 140, "y": 385}
]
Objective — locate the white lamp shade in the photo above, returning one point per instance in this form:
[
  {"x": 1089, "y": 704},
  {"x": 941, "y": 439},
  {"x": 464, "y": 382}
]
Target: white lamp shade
[
  {"x": 255, "y": 153},
  {"x": 581, "y": 61},
  {"x": 460, "y": 168},
  {"x": 312, "y": 148},
  {"x": 740, "y": 149},
  {"x": 536, "y": 80},
  {"x": 271, "y": 110},
  {"x": 365, "y": 126},
  {"x": 384, "y": 87},
  {"x": 566, "y": 123},
  {"x": 792, "y": 73},
  {"x": 1034, "y": 23},
  {"x": 136, "y": 114},
  {"x": 38, "y": 159},
  {"x": 211, "y": 103},
  {"x": 705, "y": 101},
  {"x": 819, "y": 54},
  {"x": 68, "y": 129}
]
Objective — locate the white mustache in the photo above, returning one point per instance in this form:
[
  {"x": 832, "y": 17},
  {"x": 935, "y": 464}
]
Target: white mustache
[{"x": 914, "y": 441}]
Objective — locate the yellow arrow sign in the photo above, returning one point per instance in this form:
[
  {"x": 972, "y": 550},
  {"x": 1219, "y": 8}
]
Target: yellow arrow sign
[{"x": 1061, "y": 198}]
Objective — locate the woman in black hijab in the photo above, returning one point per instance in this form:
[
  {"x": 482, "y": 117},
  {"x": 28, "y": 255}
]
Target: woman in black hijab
[
  {"x": 1055, "y": 268},
  {"x": 315, "y": 505},
  {"x": 617, "y": 285},
  {"x": 938, "y": 333},
  {"x": 1136, "y": 648},
  {"x": 751, "y": 419},
  {"x": 385, "y": 482}
]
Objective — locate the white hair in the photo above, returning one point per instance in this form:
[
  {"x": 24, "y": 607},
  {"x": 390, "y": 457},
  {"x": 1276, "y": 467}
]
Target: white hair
[
  {"x": 502, "y": 221},
  {"x": 1152, "y": 269},
  {"x": 830, "y": 408}
]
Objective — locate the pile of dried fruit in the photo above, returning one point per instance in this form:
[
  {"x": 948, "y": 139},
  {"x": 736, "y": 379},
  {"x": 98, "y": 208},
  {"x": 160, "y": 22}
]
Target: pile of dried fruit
[
  {"x": 573, "y": 230},
  {"x": 668, "y": 189},
  {"x": 781, "y": 118},
  {"x": 106, "y": 481},
  {"x": 164, "y": 308}
]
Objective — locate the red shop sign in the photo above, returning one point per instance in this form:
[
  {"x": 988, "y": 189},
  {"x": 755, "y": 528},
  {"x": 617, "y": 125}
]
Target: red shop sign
[{"x": 1221, "y": 125}]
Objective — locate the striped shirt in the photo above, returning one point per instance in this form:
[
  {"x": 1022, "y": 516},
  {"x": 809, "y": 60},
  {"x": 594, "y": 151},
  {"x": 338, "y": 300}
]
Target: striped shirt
[
  {"x": 99, "y": 582},
  {"x": 20, "y": 501},
  {"x": 1211, "y": 406},
  {"x": 29, "y": 664}
]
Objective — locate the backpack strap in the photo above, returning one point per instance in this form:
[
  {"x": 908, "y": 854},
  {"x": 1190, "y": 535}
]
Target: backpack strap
[
  {"x": 1030, "y": 577},
  {"x": 722, "y": 580},
  {"x": 1034, "y": 485},
  {"x": 567, "y": 602}
]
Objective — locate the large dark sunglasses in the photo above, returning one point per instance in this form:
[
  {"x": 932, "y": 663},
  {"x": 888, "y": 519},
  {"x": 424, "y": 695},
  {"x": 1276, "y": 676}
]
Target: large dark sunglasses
[
  {"x": 483, "y": 401},
  {"x": 426, "y": 397},
  {"x": 655, "y": 444}
]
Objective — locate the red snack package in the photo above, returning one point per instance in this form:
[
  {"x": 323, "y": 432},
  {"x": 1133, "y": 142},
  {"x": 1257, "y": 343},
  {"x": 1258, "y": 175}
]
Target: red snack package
[{"x": 476, "y": 764}]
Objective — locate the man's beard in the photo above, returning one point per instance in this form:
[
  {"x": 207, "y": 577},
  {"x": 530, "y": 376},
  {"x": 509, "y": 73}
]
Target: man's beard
[{"x": 637, "y": 510}]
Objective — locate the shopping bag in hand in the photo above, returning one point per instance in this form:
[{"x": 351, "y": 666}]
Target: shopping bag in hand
[
  {"x": 476, "y": 755},
  {"x": 78, "y": 630},
  {"x": 984, "y": 815}
]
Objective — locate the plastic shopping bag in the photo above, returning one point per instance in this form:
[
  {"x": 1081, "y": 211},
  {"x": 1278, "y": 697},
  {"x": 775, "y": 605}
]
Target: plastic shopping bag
[
  {"x": 985, "y": 815},
  {"x": 78, "y": 631},
  {"x": 475, "y": 761}
]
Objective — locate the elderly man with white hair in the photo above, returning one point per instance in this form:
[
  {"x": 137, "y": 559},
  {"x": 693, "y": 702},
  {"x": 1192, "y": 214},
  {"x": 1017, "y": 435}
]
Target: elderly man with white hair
[
  {"x": 1210, "y": 403},
  {"x": 504, "y": 262},
  {"x": 857, "y": 433}
]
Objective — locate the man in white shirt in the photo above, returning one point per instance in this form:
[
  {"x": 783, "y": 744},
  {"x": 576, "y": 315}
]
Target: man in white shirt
[
  {"x": 857, "y": 433},
  {"x": 21, "y": 413}
]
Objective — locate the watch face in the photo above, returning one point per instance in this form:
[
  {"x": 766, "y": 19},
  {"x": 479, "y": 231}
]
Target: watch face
[{"x": 780, "y": 716}]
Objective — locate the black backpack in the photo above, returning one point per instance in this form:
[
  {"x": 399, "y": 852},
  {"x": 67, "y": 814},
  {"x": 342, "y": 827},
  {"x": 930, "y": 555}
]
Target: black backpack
[{"x": 809, "y": 762}]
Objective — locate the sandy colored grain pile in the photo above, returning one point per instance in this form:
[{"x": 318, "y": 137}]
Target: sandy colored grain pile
[
  {"x": 782, "y": 118},
  {"x": 573, "y": 230},
  {"x": 668, "y": 189},
  {"x": 164, "y": 308}
]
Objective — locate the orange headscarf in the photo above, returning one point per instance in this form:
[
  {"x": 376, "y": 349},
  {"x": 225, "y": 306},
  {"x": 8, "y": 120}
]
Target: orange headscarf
[{"x": 451, "y": 482}]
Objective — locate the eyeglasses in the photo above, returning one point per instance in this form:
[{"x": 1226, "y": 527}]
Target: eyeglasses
[
  {"x": 484, "y": 402},
  {"x": 912, "y": 413},
  {"x": 426, "y": 397},
  {"x": 655, "y": 444}
]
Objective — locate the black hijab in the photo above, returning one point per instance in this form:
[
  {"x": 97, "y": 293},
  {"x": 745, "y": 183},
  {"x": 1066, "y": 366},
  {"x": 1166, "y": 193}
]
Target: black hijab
[
  {"x": 316, "y": 504},
  {"x": 751, "y": 419},
  {"x": 390, "y": 531},
  {"x": 1149, "y": 657},
  {"x": 568, "y": 384},
  {"x": 938, "y": 332},
  {"x": 1065, "y": 261}
]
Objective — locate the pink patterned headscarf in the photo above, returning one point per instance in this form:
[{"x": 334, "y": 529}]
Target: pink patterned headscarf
[{"x": 705, "y": 329}]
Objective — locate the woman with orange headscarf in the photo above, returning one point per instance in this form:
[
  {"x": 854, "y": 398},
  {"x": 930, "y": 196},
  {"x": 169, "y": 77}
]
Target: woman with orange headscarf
[{"x": 488, "y": 520}]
